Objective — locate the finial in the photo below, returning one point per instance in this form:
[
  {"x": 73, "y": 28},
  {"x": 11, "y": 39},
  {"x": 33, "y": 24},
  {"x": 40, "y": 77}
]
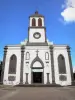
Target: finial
[{"x": 36, "y": 12}]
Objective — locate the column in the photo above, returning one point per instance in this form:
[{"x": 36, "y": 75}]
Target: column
[
  {"x": 3, "y": 65},
  {"x": 26, "y": 78},
  {"x": 22, "y": 63},
  {"x": 48, "y": 78},
  {"x": 52, "y": 65},
  {"x": 70, "y": 62}
]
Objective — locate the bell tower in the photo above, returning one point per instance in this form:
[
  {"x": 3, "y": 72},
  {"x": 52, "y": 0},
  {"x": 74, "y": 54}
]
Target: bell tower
[{"x": 36, "y": 30}]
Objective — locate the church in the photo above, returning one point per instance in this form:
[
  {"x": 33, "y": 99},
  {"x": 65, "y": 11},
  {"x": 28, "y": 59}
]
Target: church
[{"x": 36, "y": 60}]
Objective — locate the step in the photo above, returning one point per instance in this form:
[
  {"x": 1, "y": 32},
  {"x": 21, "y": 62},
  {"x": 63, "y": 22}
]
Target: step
[{"x": 38, "y": 85}]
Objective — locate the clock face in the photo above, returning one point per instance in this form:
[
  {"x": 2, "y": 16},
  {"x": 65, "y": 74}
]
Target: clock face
[{"x": 37, "y": 35}]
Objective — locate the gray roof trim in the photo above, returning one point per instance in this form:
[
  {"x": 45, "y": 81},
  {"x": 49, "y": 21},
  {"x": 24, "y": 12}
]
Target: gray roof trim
[
  {"x": 36, "y": 15},
  {"x": 36, "y": 44},
  {"x": 13, "y": 46},
  {"x": 36, "y": 27},
  {"x": 62, "y": 45}
]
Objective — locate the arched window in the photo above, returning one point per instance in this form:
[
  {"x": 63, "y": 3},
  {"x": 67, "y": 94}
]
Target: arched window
[
  {"x": 33, "y": 22},
  {"x": 61, "y": 64},
  {"x": 47, "y": 56},
  {"x": 12, "y": 64},
  {"x": 27, "y": 56},
  {"x": 39, "y": 22}
]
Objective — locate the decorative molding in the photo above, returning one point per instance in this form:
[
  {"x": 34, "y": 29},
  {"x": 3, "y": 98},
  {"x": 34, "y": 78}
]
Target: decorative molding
[
  {"x": 62, "y": 78},
  {"x": 37, "y": 67},
  {"x": 47, "y": 62},
  {"x": 35, "y": 27},
  {"x": 15, "y": 46},
  {"x": 46, "y": 56},
  {"x": 27, "y": 55},
  {"x": 27, "y": 62},
  {"x": 11, "y": 78},
  {"x": 37, "y": 59},
  {"x": 36, "y": 16}
]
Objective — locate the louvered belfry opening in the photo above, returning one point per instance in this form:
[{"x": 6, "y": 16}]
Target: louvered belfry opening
[
  {"x": 33, "y": 22},
  {"x": 39, "y": 22}
]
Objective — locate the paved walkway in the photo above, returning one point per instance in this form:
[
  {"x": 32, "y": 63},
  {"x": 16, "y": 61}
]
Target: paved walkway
[{"x": 38, "y": 93}]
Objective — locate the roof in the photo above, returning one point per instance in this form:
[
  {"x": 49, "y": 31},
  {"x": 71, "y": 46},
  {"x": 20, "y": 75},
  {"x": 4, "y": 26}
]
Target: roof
[{"x": 36, "y": 14}]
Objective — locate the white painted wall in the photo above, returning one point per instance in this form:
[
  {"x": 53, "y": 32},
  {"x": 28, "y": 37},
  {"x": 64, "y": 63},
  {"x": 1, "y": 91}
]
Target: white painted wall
[
  {"x": 57, "y": 51},
  {"x": 27, "y": 66},
  {"x": 10, "y": 52},
  {"x": 41, "y": 54},
  {"x": 41, "y": 31}
]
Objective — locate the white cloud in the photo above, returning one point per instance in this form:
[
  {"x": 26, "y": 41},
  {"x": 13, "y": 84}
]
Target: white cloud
[{"x": 69, "y": 12}]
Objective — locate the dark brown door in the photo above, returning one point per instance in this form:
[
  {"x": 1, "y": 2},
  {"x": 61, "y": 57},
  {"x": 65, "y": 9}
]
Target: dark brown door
[{"x": 37, "y": 77}]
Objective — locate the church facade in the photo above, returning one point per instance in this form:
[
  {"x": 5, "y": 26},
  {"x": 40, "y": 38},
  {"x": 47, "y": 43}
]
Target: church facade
[{"x": 37, "y": 60}]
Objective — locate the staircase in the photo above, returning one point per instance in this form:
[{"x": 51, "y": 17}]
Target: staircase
[{"x": 38, "y": 85}]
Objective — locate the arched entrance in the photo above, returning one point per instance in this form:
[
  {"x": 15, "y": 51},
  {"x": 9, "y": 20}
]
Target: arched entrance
[{"x": 37, "y": 71}]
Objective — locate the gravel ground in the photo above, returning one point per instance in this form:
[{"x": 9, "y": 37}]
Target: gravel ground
[{"x": 37, "y": 93}]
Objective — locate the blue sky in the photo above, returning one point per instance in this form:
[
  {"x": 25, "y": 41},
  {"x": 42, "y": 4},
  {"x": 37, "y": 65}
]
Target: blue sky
[{"x": 14, "y": 22}]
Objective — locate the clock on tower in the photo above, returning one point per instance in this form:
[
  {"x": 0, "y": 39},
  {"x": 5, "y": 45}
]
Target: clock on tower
[{"x": 36, "y": 30}]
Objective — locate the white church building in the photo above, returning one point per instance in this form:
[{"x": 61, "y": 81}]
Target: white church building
[{"x": 37, "y": 60}]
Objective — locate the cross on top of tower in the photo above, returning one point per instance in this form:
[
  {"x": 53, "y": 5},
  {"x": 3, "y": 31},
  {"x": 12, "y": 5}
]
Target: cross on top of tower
[
  {"x": 36, "y": 12},
  {"x": 37, "y": 52}
]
